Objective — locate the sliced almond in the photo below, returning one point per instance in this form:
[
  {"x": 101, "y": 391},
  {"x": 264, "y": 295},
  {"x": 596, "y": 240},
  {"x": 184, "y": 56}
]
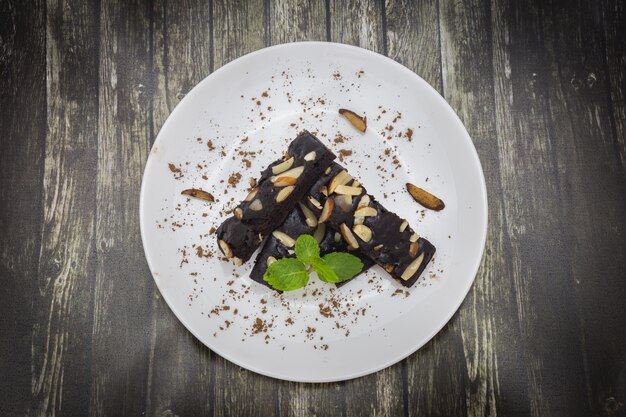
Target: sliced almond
[
  {"x": 283, "y": 166},
  {"x": 237, "y": 261},
  {"x": 359, "y": 219},
  {"x": 348, "y": 190},
  {"x": 389, "y": 268},
  {"x": 403, "y": 225},
  {"x": 252, "y": 182},
  {"x": 197, "y": 193},
  {"x": 327, "y": 170},
  {"x": 251, "y": 194},
  {"x": 365, "y": 201},
  {"x": 284, "y": 238},
  {"x": 414, "y": 237},
  {"x": 291, "y": 251},
  {"x": 344, "y": 202},
  {"x": 362, "y": 231},
  {"x": 355, "y": 183},
  {"x": 256, "y": 205},
  {"x": 293, "y": 172},
  {"x": 284, "y": 193},
  {"x": 320, "y": 232},
  {"x": 310, "y": 156},
  {"x": 225, "y": 248},
  {"x": 284, "y": 181},
  {"x": 348, "y": 236},
  {"x": 357, "y": 121},
  {"x": 337, "y": 237},
  {"x": 425, "y": 198},
  {"x": 413, "y": 249},
  {"x": 378, "y": 247},
  {"x": 238, "y": 213},
  {"x": 315, "y": 203},
  {"x": 270, "y": 260},
  {"x": 311, "y": 221},
  {"x": 329, "y": 205},
  {"x": 412, "y": 268},
  {"x": 366, "y": 212},
  {"x": 341, "y": 178}
]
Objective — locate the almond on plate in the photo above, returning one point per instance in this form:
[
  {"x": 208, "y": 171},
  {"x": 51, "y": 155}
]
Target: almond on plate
[
  {"x": 360, "y": 122},
  {"x": 425, "y": 198},
  {"x": 197, "y": 193}
]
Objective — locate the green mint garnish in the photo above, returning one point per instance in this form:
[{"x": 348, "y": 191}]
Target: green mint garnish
[
  {"x": 286, "y": 274},
  {"x": 289, "y": 274}
]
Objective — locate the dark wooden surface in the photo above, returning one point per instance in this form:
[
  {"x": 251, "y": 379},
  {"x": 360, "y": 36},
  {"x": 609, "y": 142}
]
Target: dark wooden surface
[{"x": 85, "y": 87}]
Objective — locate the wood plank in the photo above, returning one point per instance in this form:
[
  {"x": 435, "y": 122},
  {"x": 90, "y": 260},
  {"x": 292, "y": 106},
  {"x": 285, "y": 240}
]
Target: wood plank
[
  {"x": 382, "y": 393},
  {"x": 180, "y": 377},
  {"x": 123, "y": 284},
  {"x": 530, "y": 175},
  {"x": 589, "y": 171},
  {"x": 239, "y": 28},
  {"x": 299, "y": 20},
  {"x": 613, "y": 21},
  {"x": 23, "y": 127},
  {"x": 61, "y": 342},
  {"x": 357, "y": 23}
]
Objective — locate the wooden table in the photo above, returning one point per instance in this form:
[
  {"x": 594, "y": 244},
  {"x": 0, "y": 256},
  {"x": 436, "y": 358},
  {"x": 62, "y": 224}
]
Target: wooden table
[{"x": 85, "y": 87}]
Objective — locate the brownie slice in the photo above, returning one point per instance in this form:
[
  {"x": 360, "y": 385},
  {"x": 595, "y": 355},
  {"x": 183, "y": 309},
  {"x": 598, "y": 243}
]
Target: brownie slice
[
  {"x": 281, "y": 186},
  {"x": 280, "y": 243},
  {"x": 368, "y": 226}
]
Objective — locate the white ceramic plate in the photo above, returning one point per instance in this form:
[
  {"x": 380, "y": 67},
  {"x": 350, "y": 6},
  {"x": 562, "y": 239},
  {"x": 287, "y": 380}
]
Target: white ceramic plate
[{"x": 258, "y": 103}]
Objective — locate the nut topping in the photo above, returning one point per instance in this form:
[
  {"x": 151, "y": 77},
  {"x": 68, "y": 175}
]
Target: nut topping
[
  {"x": 329, "y": 205},
  {"x": 251, "y": 194},
  {"x": 337, "y": 237},
  {"x": 412, "y": 268},
  {"x": 378, "y": 247},
  {"x": 315, "y": 203},
  {"x": 310, "y": 156},
  {"x": 238, "y": 213},
  {"x": 348, "y": 190},
  {"x": 403, "y": 225},
  {"x": 357, "y": 121},
  {"x": 324, "y": 190},
  {"x": 362, "y": 231},
  {"x": 284, "y": 193},
  {"x": 311, "y": 221},
  {"x": 389, "y": 268},
  {"x": 284, "y": 238},
  {"x": 414, "y": 237},
  {"x": 365, "y": 201},
  {"x": 413, "y": 249},
  {"x": 359, "y": 219},
  {"x": 348, "y": 237},
  {"x": 197, "y": 193},
  {"x": 225, "y": 249},
  {"x": 320, "y": 232},
  {"x": 344, "y": 202},
  {"x": 366, "y": 211},
  {"x": 425, "y": 198},
  {"x": 341, "y": 178},
  {"x": 256, "y": 205},
  {"x": 270, "y": 260},
  {"x": 237, "y": 261},
  {"x": 327, "y": 170},
  {"x": 293, "y": 172},
  {"x": 284, "y": 181},
  {"x": 283, "y": 166}
]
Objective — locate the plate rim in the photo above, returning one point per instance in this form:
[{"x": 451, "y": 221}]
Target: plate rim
[{"x": 370, "y": 370}]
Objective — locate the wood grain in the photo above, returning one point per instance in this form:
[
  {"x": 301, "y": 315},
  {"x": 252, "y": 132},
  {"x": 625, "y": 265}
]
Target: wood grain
[
  {"x": 61, "y": 342},
  {"x": 358, "y": 23},
  {"x": 588, "y": 171},
  {"x": 613, "y": 21},
  {"x": 22, "y": 142},
  {"x": 123, "y": 285},
  {"x": 299, "y": 20},
  {"x": 180, "y": 370}
]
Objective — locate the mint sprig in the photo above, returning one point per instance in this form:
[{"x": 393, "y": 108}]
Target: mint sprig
[{"x": 288, "y": 274}]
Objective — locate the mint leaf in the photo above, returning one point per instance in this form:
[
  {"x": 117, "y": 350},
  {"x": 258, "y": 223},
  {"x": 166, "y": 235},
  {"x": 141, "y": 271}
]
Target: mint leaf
[
  {"x": 344, "y": 265},
  {"x": 286, "y": 274},
  {"x": 307, "y": 249},
  {"x": 325, "y": 272}
]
